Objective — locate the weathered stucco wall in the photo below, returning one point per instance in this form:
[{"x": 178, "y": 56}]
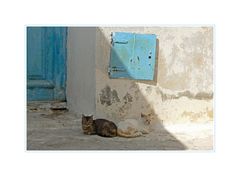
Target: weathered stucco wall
[
  {"x": 80, "y": 70},
  {"x": 182, "y": 89}
]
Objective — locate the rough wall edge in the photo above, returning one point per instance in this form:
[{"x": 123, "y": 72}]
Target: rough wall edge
[{"x": 187, "y": 93}]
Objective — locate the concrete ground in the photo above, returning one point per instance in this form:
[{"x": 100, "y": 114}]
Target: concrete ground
[{"x": 54, "y": 128}]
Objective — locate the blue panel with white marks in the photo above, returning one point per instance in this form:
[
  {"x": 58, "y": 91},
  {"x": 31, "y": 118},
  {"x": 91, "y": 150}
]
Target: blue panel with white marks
[{"x": 132, "y": 56}]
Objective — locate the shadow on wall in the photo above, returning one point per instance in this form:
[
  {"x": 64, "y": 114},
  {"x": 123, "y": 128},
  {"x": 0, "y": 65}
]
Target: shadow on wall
[{"x": 119, "y": 99}]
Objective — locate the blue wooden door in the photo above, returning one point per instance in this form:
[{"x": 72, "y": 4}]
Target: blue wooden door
[{"x": 46, "y": 63}]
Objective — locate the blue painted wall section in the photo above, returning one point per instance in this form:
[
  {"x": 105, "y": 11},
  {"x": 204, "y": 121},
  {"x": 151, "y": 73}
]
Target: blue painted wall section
[
  {"x": 132, "y": 56},
  {"x": 46, "y": 63}
]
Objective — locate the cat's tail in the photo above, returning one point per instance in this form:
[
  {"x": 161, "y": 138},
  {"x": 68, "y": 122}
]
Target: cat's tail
[
  {"x": 145, "y": 131},
  {"x": 122, "y": 134}
]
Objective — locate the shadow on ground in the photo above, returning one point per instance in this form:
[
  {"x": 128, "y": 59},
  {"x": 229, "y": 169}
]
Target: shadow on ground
[
  {"x": 49, "y": 129},
  {"x": 52, "y": 129}
]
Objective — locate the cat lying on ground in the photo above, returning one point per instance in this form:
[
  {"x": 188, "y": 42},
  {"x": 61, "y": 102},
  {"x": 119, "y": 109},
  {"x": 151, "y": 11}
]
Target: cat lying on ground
[
  {"x": 101, "y": 127},
  {"x": 128, "y": 128}
]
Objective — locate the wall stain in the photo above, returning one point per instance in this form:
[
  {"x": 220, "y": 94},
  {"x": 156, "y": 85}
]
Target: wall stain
[
  {"x": 108, "y": 96},
  {"x": 188, "y": 94},
  {"x": 210, "y": 113},
  {"x": 133, "y": 86},
  {"x": 124, "y": 109},
  {"x": 136, "y": 94},
  {"x": 127, "y": 105},
  {"x": 127, "y": 98},
  {"x": 204, "y": 95},
  {"x": 196, "y": 116},
  {"x": 149, "y": 89},
  {"x": 193, "y": 116}
]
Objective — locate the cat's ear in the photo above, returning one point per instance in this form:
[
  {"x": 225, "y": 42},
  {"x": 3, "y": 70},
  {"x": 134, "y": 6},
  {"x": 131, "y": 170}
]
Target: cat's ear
[
  {"x": 83, "y": 115},
  {"x": 91, "y": 116},
  {"x": 143, "y": 115}
]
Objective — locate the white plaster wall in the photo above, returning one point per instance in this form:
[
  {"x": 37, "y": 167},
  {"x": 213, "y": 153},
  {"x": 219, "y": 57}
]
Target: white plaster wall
[
  {"x": 182, "y": 89},
  {"x": 81, "y": 81},
  {"x": 183, "y": 86}
]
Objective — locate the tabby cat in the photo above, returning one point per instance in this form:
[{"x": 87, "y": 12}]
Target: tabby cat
[{"x": 101, "y": 127}]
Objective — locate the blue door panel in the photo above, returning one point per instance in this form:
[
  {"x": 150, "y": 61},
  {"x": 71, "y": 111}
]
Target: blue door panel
[
  {"x": 145, "y": 49},
  {"x": 122, "y": 45},
  {"x": 132, "y": 56},
  {"x": 35, "y": 60},
  {"x": 40, "y": 94},
  {"x": 46, "y": 63}
]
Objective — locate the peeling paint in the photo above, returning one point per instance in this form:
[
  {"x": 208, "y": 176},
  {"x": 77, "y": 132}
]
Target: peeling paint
[
  {"x": 108, "y": 96},
  {"x": 195, "y": 116},
  {"x": 124, "y": 109},
  {"x": 136, "y": 94},
  {"x": 188, "y": 94},
  {"x": 128, "y": 98},
  {"x": 149, "y": 89}
]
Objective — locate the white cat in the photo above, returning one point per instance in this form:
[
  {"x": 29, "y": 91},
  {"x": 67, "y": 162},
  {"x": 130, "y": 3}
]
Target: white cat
[{"x": 131, "y": 128}]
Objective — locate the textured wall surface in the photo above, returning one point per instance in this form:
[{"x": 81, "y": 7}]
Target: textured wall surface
[
  {"x": 182, "y": 89},
  {"x": 80, "y": 70}
]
